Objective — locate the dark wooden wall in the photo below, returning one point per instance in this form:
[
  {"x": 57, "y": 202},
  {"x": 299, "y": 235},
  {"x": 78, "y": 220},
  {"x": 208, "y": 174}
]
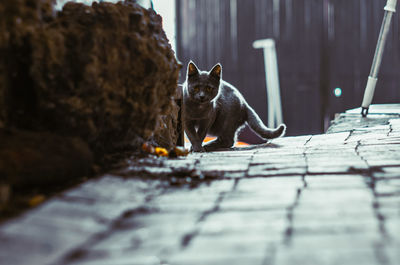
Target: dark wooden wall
[{"x": 321, "y": 45}]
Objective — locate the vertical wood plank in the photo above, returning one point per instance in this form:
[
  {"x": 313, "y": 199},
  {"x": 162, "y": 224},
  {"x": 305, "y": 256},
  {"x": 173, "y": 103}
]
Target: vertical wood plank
[{"x": 319, "y": 47}]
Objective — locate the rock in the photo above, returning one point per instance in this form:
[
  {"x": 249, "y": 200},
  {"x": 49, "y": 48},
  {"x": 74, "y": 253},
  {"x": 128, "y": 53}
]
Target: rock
[
  {"x": 33, "y": 158},
  {"x": 104, "y": 73},
  {"x": 20, "y": 22},
  {"x": 166, "y": 134},
  {"x": 86, "y": 80}
]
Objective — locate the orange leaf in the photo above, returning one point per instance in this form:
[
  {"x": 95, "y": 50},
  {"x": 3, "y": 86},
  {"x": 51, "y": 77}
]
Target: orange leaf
[{"x": 36, "y": 200}]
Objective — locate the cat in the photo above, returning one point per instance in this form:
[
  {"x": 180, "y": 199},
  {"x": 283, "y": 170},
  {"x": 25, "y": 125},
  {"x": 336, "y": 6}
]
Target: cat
[{"x": 213, "y": 106}]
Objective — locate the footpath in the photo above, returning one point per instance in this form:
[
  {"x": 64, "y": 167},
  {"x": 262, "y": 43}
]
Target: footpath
[{"x": 322, "y": 199}]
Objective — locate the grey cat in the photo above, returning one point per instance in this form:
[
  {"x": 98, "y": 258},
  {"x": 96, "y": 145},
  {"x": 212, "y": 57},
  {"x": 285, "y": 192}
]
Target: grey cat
[{"x": 213, "y": 106}]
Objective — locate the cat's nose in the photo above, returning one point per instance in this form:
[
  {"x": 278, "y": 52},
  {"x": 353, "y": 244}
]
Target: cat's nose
[{"x": 202, "y": 96}]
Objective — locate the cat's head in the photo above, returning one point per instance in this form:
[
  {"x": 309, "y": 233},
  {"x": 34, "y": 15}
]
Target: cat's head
[{"x": 203, "y": 86}]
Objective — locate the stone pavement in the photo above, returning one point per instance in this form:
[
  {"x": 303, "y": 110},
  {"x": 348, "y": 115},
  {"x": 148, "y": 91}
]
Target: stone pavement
[{"x": 315, "y": 199}]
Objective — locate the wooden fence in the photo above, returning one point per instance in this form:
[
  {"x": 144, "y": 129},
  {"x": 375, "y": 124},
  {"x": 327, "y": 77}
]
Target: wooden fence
[{"x": 321, "y": 45}]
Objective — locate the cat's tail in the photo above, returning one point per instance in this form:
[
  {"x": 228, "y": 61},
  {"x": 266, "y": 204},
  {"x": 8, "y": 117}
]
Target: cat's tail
[{"x": 256, "y": 124}]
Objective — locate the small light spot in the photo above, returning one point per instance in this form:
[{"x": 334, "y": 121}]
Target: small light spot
[{"x": 337, "y": 92}]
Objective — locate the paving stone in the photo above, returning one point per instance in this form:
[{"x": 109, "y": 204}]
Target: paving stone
[
  {"x": 233, "y": 249},
  {"x": 389, "y": 209},
  {"x": 257, "y": 202},
  {"x": 191, "y": 200},
  {"x": 267, "y": 170},
  {"x": 267, "y": 158},
  {"x": 287, "y": 150},
  {"x": 373, "y": 151},
  {"x": 392, "y": 226},
  {"x": 391, "y": 141},
  {"x": 233, "y": 175},
  {"x": 122, "y": 258},
  {"x": 333, "y": 182},
  {"x": 231, "y": 154},
  {"x": 389, "y": 213},
  {"x": 113, "y": 189},
  {"x": 318, "y": 161},
  {"x": 262, "y": 194},
  {"x": 334, "y": 222},
  {"x": 221, "y": 166},
  {"x": 328, "y": 139},
  {"x": 315, "y": 255},
  {"x": 350, "y": 121},
  {"x": 395, "y": 123},
  {"x": 392, "y": 253},
  {"x": 219, "y": 186},
  {"x": 294, "y": 141},
  {"x": 224, "y": 174},
  {"x": 67, "y": 208},
  {"x": 365, "y": 136},
  {"x": 60, "y": 224},
  {"x": 264, "y": 185},
  {"x": 381, "y": 161},
  {"x": 394, "y": 133},
  {"x": 336, "y": 241},
  {"x": 333, "y": 157},
  {"x": 184, "y": 202},
  {"x": 256, "y": 223},
  {"x": 21, "y": 249},
  {"x": 295, "y": 200},
  {"x": 179, "y": 163},
  {"x": 388, "y": 187},
  {"x": 40, "y": 242},
  {"x": 108, "y": 197},
  {"x": 379, "y": 148},
  {"x": 231, "y": 167},
  {"x": 81, "y": 216},
  {"x": 342, "y": 197},
  {"x": 154, "y": 235},
  {"x": 334, "y": 150},
  {"x": 333, "y": 212},
  {"x": 319, "y": 165}
]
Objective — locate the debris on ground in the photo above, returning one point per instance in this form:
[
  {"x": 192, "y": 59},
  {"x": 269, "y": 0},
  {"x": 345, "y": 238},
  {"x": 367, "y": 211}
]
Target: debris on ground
[{"x": 161, "y": 151}]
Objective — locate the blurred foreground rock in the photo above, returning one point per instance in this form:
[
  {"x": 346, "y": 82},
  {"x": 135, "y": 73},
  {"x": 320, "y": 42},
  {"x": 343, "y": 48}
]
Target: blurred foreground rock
[
  {"x": 29, "y": 158},
  {"x": 104, "y": 75}
]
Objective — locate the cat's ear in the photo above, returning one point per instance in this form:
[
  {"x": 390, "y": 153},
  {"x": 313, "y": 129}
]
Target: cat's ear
[
  {"x": 192, "y": 69},
  {"x": 216, "y": 71}
]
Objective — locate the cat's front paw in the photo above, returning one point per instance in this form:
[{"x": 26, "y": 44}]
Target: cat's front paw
[{"x": 197, "y": 149}]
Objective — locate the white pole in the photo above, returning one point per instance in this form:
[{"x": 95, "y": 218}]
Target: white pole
[
  {"x": 269, "y": 85},
  {"x": 390, "y": 8},
  {"x": 277, "y": 94},
  {"x": 271, "y": 80}
]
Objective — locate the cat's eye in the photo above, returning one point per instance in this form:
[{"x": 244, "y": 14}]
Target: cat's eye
[
  {"x": 196, "y": 89},
  {"x": 209, "y": 89}
]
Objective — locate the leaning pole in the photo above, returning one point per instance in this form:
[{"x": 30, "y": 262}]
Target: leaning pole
[{"x": 390, "y": 8}]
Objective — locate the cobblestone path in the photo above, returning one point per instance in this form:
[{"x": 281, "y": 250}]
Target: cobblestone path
[{"x": 314, "y": 199}]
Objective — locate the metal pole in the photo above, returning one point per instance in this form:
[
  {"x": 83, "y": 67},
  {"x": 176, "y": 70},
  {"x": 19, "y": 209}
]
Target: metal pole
[
  {"x": 271, "y": 80},
  {"x": 390, "y": 8}
]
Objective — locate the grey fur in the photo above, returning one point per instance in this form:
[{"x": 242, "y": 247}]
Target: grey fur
[{"x": 213, "y": 106}]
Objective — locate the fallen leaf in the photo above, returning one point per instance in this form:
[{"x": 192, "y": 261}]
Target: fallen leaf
[
  {"x": 36, "y": 200},
  {"x": 160, "y": 151}
]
